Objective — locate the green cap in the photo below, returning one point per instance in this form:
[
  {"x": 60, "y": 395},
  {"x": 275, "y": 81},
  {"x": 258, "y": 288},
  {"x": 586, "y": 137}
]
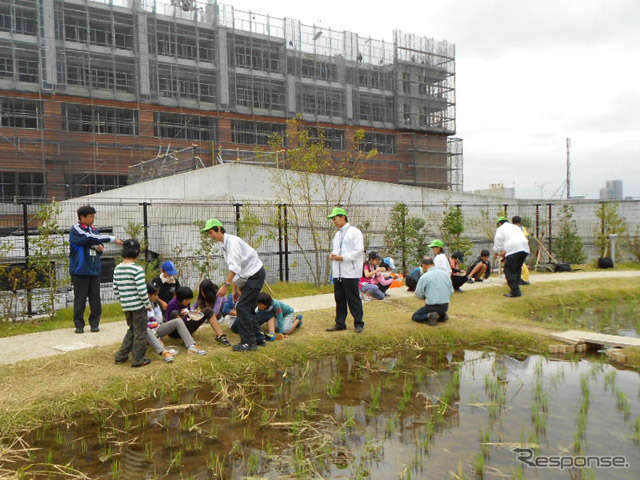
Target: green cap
[
  {"x": 436, "y": 243},
  {"x": 212, "y": 222},
  {"x": 337, "y": 211},
  {"x": 502, "y": 218}
]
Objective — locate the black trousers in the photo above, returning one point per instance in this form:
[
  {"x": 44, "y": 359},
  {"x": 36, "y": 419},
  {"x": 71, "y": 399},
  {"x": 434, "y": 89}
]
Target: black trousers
[
  {"x": 246, "y": 308},
  {"x": 513, "y": 270},
  {"x": 422, "y": 314},
  {"x": 458, "y": 281},
  {"x": 86, "y": 286},
  {"x": 346, "y": 292},
  {"x": 135, "y": 339}
]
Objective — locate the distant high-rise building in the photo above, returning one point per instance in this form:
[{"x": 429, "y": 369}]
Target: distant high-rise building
[{"x": 612, "y": 190}]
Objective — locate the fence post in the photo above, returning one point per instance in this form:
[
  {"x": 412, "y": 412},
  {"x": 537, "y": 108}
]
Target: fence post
[
  {"x": 145, "y": 224},
  {"x": 506, "y": 209},
  {"x": 603, "y": 228},
  {"x": 237, "y": 208},
  {"x": 537, "y": 221},
  {"x": 550, "y": 229},
  {"x": 286, "y": 244},
  {"x": 25, "y": 231},
  {"x": 280, "y": 264}
]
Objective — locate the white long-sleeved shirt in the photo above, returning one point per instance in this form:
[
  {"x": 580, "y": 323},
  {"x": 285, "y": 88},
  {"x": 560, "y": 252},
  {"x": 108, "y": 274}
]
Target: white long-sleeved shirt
[
  {"x": 240, "y": 258},
  {"x": 510, "y": 239},
  {"x": 349, "y": 243},
  {"x": 442, "y": 263}
]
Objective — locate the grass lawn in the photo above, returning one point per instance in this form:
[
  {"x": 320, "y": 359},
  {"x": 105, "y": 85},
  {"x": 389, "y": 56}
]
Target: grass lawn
[{"x": 59, "y": 387}]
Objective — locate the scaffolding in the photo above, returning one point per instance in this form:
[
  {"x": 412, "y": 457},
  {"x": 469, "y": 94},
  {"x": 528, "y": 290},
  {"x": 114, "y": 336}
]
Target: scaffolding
[{"x": 104, "y": 84}]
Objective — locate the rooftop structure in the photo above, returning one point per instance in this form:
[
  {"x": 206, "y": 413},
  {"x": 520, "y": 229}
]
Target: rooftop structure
[{"x": 89, "y": 88}]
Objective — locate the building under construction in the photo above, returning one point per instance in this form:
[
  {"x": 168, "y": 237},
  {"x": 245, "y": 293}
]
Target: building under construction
[{"x": 91, "y": 88}]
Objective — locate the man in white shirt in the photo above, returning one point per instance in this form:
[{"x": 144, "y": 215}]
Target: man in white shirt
[
  {"x": 247, "y": 273},
  {"x": 511, "y": 243},
  {"x": 347, "y": 259}
]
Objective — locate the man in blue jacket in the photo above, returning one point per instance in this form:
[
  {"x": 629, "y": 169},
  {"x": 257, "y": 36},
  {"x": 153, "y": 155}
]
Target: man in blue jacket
[{"x": 85, "y": 249}]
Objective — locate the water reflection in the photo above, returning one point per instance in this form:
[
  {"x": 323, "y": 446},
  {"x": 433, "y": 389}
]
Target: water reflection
[{"x": 379, "y": 415}]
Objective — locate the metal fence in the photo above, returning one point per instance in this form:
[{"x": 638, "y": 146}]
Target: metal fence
[{"x": 292, "y": 240}]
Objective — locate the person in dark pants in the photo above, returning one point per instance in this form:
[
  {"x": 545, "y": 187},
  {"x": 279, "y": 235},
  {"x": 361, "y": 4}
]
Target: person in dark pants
[
  {"x": 246, "y": 271},
  {"x": 347, "y": 259},
  {"x": 511, "y": 243},
  {"x": 435, "y": 288},
  {"x": 85, "y": 249}
]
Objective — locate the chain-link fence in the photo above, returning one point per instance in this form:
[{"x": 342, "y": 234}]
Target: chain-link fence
[{"x": 292, "y": 240}]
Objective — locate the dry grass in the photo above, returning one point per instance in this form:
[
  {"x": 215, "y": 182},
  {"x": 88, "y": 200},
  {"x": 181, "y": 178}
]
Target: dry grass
[{"x": 60, "y": 386}]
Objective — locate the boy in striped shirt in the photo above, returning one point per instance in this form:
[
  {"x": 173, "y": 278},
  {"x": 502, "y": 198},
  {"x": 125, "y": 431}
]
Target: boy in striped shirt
[{"x": 130, "y": 287}]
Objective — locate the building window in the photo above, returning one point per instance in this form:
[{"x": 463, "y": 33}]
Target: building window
[
  {"x": 406, "y": 114},
  {"x": 260, "y": 93},
  {"x": 180, "y": 82},
  {"x": 332, "y": 138},
  {"x": 177, "y": 41},
  {"x": 20, "y": 113},
  {"x": 256, "y": 133},
  {"x": 98, "y": 30},
  {"x": 376, "y": 108},
  {"x": 384, "y": 143},
  {"x": 322, "y": 101},
  {"x": 80, "y": 184},
  {"x": 6, "y": 67},
  {"x": 27, "y": 70},
  {"x": 100, "y": 120},
  {"x": 327, "y": 72},
  {"x": 185, "y": 127},
  {"x": 21, "y": 20},
  {"x": 406, "y": 82},
  {"x": 101, "y": 78},
  {"x": 22, "y": 186},
  {"x": 256, "y": 54}
]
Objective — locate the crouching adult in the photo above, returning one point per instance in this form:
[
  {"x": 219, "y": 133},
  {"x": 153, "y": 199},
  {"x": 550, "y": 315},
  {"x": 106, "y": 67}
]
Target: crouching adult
[{"x": 435, "y": 288}]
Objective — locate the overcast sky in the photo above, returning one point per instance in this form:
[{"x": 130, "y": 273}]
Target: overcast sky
[{"x": 529, "y": 74}]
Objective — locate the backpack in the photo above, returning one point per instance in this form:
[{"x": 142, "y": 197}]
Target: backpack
[{"x": 605, "y": 262}]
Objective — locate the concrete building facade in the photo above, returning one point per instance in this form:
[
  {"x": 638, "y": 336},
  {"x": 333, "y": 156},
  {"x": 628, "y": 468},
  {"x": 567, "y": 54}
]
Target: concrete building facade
[{"x": 89, "y": 88}]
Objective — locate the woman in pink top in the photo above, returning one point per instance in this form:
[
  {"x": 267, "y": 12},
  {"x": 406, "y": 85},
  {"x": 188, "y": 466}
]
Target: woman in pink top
[{"x": 372, "y": 277}]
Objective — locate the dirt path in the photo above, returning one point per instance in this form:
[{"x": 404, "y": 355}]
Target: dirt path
[{"x": 45, "y": 344}]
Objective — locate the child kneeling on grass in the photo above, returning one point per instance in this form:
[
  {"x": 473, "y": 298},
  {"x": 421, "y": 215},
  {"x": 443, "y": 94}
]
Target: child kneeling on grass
[
  {"x": 130, "y": 288},
  {"x": 157, "y": 328},
  {"x": 277, "y": 314},
  {"x": 180, "y": 309}
]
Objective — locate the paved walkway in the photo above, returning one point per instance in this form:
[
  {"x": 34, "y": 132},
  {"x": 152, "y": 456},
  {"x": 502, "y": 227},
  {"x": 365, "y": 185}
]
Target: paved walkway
[{"x": 44, "y": 344}]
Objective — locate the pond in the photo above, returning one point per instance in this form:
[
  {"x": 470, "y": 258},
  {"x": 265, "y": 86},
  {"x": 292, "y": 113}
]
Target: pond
[
  {"x": 383, "y": 415},
  {"x": 613, "y": 318}
]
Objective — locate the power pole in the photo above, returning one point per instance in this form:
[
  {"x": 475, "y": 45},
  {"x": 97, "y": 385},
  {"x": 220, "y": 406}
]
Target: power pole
[{"x": 568, "y": 168}]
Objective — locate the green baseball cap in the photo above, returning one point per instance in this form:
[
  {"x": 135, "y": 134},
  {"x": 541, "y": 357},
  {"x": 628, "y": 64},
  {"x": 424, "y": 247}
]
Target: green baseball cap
[
  {"x": 436, "y": 243},
  {"x": 337, "y": 211},
  {"x": 502, "y": 218},
  {"x": 212, "y": 222}
]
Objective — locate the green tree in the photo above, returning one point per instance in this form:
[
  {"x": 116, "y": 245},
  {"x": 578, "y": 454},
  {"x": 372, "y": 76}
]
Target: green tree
[
  {"x": 452, "y": 229},
  {"x": 613, "y": 222},
  {"x": 151, "y": 266},
  {"x": 568, "y": 245},
  {"x": 310, "y": 181},
  {"x": 406, "y": 237},
  {"x": 48, "y": 255}
]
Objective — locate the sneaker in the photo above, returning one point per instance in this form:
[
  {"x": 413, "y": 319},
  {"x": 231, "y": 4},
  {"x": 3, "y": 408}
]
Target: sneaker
[
  {"x": 359, "y": 329},
  {"x": 223, "y": 340},
  {"x": 120, "y": 362},
  {"x": 471, "y": 281},
  {"x": 336, "y": 328},
  {"x": 95, "y": 330},
  {"x": 270, "y": 336},
  {"x": 173, "y": 351},
  {"x": 196, "y": 349},
  {"x": 168, "y": 358},
  {"x": 244, "y": 347},
  {"x": 79, "y": 330},
  {"x": 261, "y": 343},
  {"x": 145, "y": 361},
  {"x": 432, "y": 318},
  {"x": 479, "y": 280}
]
